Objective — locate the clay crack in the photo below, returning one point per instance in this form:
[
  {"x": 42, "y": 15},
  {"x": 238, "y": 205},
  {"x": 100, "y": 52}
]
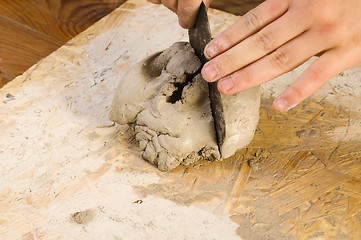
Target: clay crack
[
  {"x": 165, "y": 103},
  {"x": 179, "y": 87}
]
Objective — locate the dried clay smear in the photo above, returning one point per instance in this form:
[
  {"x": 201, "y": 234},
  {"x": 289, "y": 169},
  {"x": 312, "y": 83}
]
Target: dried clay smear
[{"x": 165, "y": 101}]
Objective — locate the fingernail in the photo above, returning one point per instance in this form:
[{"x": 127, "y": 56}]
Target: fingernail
[
  {"x": 210, "y": 51},
  {"x": 225, "y": 84},
  {"x": 209, "y": 72},
  {"x": 280, "y": 104}
]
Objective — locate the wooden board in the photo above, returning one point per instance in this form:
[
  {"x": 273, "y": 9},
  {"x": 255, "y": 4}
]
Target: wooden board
[
  {"x": 31, "y": 30},
  {"x": 67, "y": 172}
]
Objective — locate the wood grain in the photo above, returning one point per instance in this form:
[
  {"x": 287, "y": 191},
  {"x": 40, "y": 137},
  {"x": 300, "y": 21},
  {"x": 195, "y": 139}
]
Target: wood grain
[
  {"x": 31, "y": 30},
  {"x": 58, "y": 144}
]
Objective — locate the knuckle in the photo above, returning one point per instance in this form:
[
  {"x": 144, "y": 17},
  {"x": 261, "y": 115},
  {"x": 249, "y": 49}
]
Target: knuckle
[
  {"x": 263, "y": 41},
  {"x": 251, "y": 21},
  {"x": 280, "y": 59},
  {"x": 319, "y": 10}
]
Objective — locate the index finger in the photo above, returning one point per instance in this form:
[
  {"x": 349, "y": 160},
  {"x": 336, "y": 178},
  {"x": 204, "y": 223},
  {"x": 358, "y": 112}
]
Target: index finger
[{"x": 247, "y": 25}]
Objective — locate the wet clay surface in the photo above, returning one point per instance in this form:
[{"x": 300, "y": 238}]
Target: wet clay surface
[{"x": 165, "y": 100}]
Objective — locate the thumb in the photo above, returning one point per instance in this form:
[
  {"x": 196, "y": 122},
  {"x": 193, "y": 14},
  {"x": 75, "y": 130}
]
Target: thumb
[{"x": 188, "y": 10}]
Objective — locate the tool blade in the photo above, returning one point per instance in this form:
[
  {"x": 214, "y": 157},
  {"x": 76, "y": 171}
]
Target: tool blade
[{"x": 199, "y": 37}]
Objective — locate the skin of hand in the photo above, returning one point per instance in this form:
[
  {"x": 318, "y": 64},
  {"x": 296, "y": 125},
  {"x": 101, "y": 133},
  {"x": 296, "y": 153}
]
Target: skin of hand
[
  {"x": 279, "y": 35},
  {"x": 186, "y": 10}
]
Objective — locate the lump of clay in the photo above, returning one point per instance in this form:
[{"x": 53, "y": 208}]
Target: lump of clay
[{"x": 165, "y": 101}]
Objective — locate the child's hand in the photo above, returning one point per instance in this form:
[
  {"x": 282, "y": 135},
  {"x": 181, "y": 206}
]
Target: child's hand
[{"x": 279, "y": 35}]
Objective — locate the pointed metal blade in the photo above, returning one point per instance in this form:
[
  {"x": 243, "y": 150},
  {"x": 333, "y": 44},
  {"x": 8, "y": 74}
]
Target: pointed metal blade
[{"x": 199, "y": 37}]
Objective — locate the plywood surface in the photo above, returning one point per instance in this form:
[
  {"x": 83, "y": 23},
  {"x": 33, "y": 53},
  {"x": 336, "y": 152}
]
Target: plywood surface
[
  {"x": 31, "y": 30},
  {"x": 67, "y": 172}
]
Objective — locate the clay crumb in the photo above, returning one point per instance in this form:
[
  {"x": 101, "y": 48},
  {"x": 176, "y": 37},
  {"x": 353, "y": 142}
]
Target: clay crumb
[
  {"x": 9, "y": 97},
  {"x": 83, "y": 217}
]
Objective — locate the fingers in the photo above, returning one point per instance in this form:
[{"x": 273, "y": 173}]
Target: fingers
[
  {"x": 250, "y": 23},
  {"x": 273, "y": 65},
  {"x": 315, "y": 76},
  {"x": 187, "y": 12},
  {"x": 278, "y": 36},
  {"x": 255, "y": 47}
]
